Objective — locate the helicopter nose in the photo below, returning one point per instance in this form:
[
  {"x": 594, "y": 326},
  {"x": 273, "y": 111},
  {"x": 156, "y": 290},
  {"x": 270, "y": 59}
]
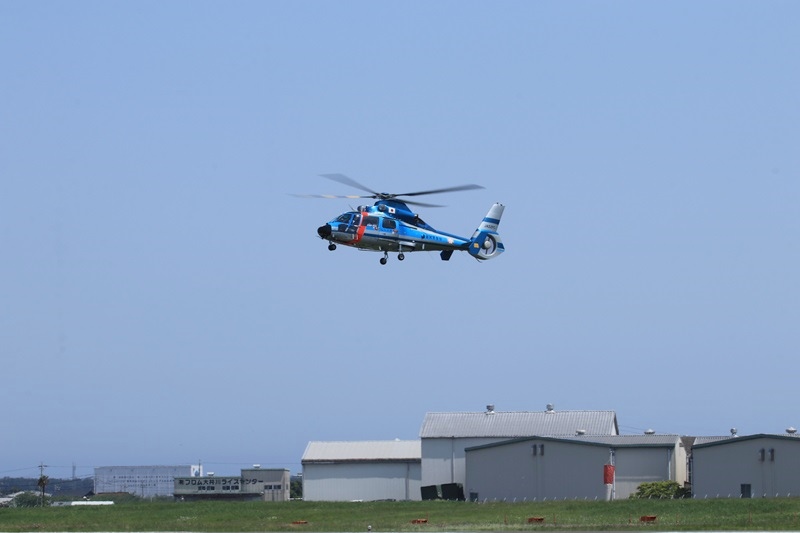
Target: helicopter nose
[{"x": 324, "y": 232}]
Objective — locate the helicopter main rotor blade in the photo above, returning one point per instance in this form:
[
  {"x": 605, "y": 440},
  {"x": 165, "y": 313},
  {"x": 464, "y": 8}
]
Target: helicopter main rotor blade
[
  {"x": 329, "y": 196},
  {"x": 412, "y": 202},
  {"x": 355, "y": 196},
  {"x": 341, "y": 178},
  {"x": 446, "y": 189}
]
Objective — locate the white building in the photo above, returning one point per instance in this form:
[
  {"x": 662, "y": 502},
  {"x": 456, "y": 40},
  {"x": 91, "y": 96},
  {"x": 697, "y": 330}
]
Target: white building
[
  {"x": 143, "y": 481},
  {"x": 361, "y": 470},
  {"x": 445, "y": 436},
  {"x": 753, "y": 466},
  {"x": 575, "y": 467}
]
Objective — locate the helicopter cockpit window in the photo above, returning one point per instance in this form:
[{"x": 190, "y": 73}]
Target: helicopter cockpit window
[
  {"x": 345, "y": 218},
  {"x": 389, "y": 223}
]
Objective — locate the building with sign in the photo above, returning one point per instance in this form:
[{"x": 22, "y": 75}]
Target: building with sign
[
  {"x": 266, "y": 484},
  {"x": 143, "y": 481}
]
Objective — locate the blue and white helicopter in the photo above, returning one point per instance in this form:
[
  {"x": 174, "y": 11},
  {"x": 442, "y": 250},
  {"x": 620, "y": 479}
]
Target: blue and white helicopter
[{"x": 390, "y": 226}]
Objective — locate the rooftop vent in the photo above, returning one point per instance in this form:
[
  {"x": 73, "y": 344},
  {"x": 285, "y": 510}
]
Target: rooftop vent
[
  {"x": 791, "y": 431},
  {"x": 550, "y": 408},
  {"x": 490, "y": 409},
  {"x": 733, "y": 432},
  {"x": 256, "y": 466},
  {"x": 580, "y": 432},
  {"x": 650, "y": 432}
]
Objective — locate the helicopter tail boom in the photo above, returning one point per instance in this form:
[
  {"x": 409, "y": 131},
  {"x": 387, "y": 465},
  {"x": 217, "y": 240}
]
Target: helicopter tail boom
[{"x": 485, "y": 242}]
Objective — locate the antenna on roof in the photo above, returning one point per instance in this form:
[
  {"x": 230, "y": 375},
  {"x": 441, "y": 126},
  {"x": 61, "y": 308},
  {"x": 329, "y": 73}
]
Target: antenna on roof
[
  {"x": 490, "y": 409},
  {"x": 733, "y": 432},
  {"x": 550, "y": 408}
]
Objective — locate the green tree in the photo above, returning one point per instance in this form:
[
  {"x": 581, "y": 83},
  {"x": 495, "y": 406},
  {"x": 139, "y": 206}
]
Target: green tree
[
  {"x": 296, "y": 488},
  {"x": 660, "y": 489}
]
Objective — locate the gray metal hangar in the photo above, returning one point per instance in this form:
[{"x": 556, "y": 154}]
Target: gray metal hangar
[
  {"x": 445, "y": 436},
  {"x": 576, "y": 467},
  {"x": 361, "y": 470},
  {"x": 752, "y": 466}
]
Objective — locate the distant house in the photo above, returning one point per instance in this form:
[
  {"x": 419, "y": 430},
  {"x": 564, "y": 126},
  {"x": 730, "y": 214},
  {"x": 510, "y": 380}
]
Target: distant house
[
  {"x": 752, "y": 466},
  {"x": 575, "y": 467},
  {"x": 361, "y": 470},
  {"x": 446, "y": 436}
]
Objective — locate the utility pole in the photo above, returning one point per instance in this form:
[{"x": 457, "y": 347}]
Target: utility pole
[{"x": 42, "y": 480}]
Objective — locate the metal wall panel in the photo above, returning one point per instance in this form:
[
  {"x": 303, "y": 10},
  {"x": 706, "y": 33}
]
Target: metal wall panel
[
  {"x": 558, "y": 470},
  {"x": 537, "y": 469},
  {"x": 443, "y": 460},
  {"x": 365, "y": 481},
  {"x": 719, "y": 471}
]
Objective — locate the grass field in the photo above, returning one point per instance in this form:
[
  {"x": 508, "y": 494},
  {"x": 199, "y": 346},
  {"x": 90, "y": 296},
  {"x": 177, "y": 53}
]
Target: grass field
[{"x": 779, "y": 514}]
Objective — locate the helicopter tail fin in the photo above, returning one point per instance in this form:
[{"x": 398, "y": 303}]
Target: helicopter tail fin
[{"x": 485, "y": 242}]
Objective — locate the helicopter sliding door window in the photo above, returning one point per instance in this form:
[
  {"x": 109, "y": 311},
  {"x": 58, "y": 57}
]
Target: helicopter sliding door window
[{"x": 388, "y": 223}]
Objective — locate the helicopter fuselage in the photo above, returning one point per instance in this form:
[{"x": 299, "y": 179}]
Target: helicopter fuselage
[{"x": 388, "y": 226}]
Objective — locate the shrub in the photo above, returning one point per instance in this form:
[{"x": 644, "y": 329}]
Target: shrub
[
  {"x": 660, "y": 489},
  {"x": 30, "y": 499}
]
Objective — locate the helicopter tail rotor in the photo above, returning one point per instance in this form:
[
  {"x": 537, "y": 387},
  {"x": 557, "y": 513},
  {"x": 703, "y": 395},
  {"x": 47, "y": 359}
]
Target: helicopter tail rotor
[{"x": 485, "y": 242}]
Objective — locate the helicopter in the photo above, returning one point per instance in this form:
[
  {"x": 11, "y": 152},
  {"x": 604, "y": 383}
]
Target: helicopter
[{"x": 390, "y": 226}]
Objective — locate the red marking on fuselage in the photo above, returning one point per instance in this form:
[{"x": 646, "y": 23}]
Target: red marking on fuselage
[{"x": 361, "y": 227}]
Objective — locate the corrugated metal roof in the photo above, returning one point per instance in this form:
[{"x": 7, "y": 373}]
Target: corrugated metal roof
[
  {"x": 518, "y": 424},
  {"x": 702, "y": 442},
  {"x": 617, "y": 441},
  {"x": 629, "y": 440},
  {"x": 372, "y": 450},
  {"x": 699, "y": 441}
]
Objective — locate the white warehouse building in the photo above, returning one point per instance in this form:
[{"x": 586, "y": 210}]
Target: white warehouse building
[
  {"x": 361, "y": 470},
  {"x": 143, "y": 481}
]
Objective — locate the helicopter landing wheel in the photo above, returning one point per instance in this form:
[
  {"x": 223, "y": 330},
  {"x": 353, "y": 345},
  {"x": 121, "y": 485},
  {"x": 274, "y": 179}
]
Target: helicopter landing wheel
[
  {"x": 331, "y": 247},
  {"x": 401, "y": 256},
  {"x": 383, "y": 259}
]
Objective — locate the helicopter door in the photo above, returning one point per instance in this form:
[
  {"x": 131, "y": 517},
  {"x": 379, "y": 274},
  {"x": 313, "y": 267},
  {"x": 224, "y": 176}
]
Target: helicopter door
[
  {"x": 355, "y": 223},
  {"x": 388, "y": 225}
]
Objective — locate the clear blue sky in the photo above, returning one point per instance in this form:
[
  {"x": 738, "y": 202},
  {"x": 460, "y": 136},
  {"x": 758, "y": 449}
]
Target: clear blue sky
[{"x": 164, "y": 300}]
